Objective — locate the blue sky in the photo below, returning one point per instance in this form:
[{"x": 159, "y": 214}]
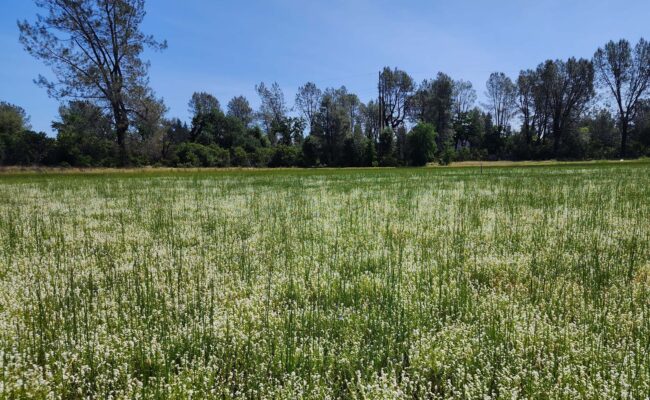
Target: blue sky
[{"x": 226, "y": 47}]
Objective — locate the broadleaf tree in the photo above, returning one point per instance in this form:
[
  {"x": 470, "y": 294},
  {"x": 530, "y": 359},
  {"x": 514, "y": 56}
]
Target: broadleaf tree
[{"x": 625, "y": 73}]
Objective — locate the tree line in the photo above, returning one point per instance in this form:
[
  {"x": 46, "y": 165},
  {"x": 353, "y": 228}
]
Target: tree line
[{"x": 564, "y": 109}]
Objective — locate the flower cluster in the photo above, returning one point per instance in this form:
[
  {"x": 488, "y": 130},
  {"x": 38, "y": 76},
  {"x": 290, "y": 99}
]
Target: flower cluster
[{"x": 369, "y": 284}]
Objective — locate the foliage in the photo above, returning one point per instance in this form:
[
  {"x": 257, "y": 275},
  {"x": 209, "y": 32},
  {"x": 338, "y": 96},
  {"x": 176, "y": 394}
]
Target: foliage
[
  {"x": 85, "y": 136},
  {"x": 422, "y": 144},
  {"x": 433, "y": 102},
  {"x": 240, "y": 108},
  {"x": 273, "y": 108},
  {"x": 94, "y": 48},
  {"x": 285, "y": 156},
  {"x": 311, "y": 150},
  {"x": 308, "y": 101},
  {"x": 197, "y": 155},
  {"x": 625, "y": 75},
  {"x": 240, "y": 158},
  {"x": 386, "y": 148},
  {"x": 354, "y": 148},
  {"x": 501, "y": 94},
  {"x": 395, "y": 89},
  {"x": 447, "y": 155}
]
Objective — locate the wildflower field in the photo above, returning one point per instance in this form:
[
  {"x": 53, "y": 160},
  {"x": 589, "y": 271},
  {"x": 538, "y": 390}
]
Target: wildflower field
[{"x": 517, "y": 282}]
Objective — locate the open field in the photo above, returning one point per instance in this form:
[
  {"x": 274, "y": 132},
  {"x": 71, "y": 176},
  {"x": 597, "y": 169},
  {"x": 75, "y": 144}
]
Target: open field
[{"x": 520, "y": 282}]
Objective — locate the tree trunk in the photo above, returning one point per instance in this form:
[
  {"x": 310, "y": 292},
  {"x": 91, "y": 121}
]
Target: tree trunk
[
  {"x": 557, "y": 133},
  {"x": 121, "y": 129},
  {"x": 624, "y": 126}
]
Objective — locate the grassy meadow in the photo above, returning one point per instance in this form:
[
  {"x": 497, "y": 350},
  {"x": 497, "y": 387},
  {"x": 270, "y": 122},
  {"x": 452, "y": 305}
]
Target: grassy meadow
[{"x": 517, "y": 282}]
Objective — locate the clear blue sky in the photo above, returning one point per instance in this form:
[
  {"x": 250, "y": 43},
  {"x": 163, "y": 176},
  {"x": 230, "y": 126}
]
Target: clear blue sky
[{"x": 226, "y": 47}]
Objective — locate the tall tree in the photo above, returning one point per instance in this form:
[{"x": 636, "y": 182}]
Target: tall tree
[
  {"x": 13, "y": 122},
  {"x": 332, "y": 124},
  {"x": 308, "y": 101},
  {"x": 94, "y": 48},
  {"x": 501, "y": 94},
  {"x": 525, "y": 102},
  {"x": 626, "y": 74},
  {"x": 149, "y": 112},
  {"x": 568, "y": 87},
  {"x": 12, "y": 118},
  {"x": 201, "y": 106},
  {"x": 273, "y": 108},
  {"x": 464, "y": 97},
  {"x": 534, "y": 104},
  {"x": 469, "y": 129},
  {"x": 370, "y": 118},
  {"x": 203, "y": 103},
  {"x": 240, "y": 108},
  {"x": 352, "y": 105},
  {"x": 433, "y": 103},
  {"x": 395, "y": 89}
]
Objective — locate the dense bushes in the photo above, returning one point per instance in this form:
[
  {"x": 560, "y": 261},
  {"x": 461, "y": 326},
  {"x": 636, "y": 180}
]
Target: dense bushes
[
  {"x": 285, "y": 156},
  {"x": 27, "y": 148},
  {"x": 198, "y": 155}
]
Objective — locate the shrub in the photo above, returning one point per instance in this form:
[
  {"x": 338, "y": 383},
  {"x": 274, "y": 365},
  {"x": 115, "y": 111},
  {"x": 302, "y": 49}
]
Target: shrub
[
  {"x": 194, "y": 155},
  {"x": 240, "y": 157},
  {"x": 260, "y": 157},
  {"x": 284, "y": 156},
  {"x": 447, "y": 156}
]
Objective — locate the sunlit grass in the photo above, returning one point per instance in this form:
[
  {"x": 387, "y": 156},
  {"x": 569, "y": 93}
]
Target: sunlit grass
[{"x": 406, "y": 283}]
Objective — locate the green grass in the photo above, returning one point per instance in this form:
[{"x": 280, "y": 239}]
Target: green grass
[{"x": 520, "y": 282}]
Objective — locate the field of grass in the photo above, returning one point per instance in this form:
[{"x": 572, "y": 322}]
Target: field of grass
[{"x": 520, "y": 282}]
